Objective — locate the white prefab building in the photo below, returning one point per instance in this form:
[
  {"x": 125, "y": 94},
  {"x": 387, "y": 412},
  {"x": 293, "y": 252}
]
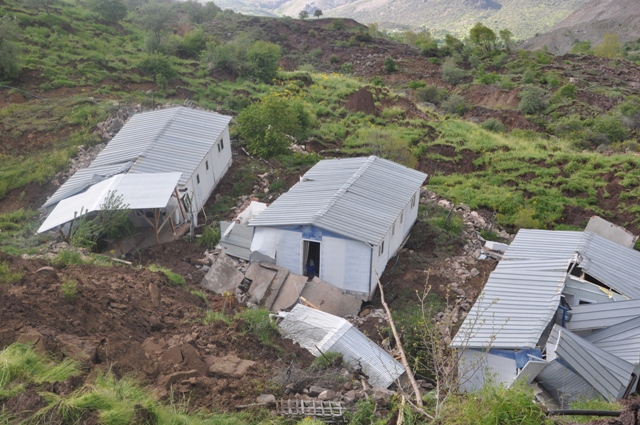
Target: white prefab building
[
  {"x": 342, "y": 222},
  {"x": 193, "y": 143}
]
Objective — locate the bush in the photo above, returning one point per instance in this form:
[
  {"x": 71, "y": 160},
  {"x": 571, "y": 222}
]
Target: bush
[
  {"x": 231, "y": 56},
  {"x": 428, "y": 94},
  {"x": 528, "y": 77},
  {"x": 451, "y": 73},
  {"x": 347, "y": 68},
  {"x": 192, "y": 44},
  {"x": 568, "y": 91},
  {"x": 454, "y": 105},
  {"x": 210, "y": 236},
  {"x": 609, "y": 126},
  {"x": 494, "y": 125},
  {"x": 334, "y": 59},
  {"x": 337, "y": 24},
  {"x": 109, "y": 10},
  {"x": 69, "y": 289},
  {"x": 269, "y": 125},
  {"x": 262, "y": 58},
  {"x": 157, "y": 63},
  {"x": 390, "y": 65},
  {"x": 66, "y": 258},
  {"x": 413, "y": 85},
  {"x": 531, "y": 101},
  {"x": 9, "y": 51}
]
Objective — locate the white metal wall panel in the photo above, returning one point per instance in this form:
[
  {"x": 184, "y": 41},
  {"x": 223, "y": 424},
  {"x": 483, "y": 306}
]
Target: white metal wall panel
[
  {"x": 345, "y": 263},
  {"x": 289, "y": 250},
  {"x": 477, "y": 368}
]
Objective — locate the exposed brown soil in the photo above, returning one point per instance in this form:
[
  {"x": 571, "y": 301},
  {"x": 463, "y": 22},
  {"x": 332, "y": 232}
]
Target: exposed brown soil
[
  {"x": 132, "y": 321},
  {"x": 361, "y": 101}
]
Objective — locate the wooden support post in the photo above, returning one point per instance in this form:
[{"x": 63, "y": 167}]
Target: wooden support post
[
  {"x": 173, "y": 228},
  {"x": 155, "y": 224},
  {"x": 184, "y": 216}
]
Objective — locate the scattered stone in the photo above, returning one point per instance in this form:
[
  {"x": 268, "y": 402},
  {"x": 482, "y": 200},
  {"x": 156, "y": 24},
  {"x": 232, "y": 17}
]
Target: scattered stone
[
  {"x": 315, "y": 391},
  {"x": 266, "y": 399},
  {"x": 230, "y": 366},
  {"x": 327, "y": 395}
]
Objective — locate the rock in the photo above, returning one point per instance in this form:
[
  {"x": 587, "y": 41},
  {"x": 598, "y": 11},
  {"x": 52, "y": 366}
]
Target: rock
[
  {"x": 350, "y": 396},
  {"x": 382, "y": 395},
  {"x": 474, "y": 272},
  {"x": 315, "y": 391},
  {"x": 77, "y": 348},
  {"x": 266, "y": 399},
  {"x": 25, "y": 404},
  {"x": 223, "y": 276},
  {"x": 230, "y": 366},
  {"x": 327, "y": 395},
  {"x": 166, "y": 381}
]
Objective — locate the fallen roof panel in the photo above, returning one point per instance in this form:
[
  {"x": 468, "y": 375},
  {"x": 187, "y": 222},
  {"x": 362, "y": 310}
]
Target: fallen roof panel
[{"x": 602, "y": 315}]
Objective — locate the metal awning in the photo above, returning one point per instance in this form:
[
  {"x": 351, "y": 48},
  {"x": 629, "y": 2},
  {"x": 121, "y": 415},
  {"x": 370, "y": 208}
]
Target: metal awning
[{"x": 137, "y": 191}]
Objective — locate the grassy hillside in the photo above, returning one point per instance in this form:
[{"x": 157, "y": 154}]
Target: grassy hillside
[{"x": 524, "y": 18}]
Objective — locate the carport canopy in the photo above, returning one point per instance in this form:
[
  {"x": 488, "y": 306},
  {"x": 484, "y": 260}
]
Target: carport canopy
[{"x": 136, "y": 192}]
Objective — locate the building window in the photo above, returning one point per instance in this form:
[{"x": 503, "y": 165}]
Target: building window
[
  {"x": 198, "y": 178},
  {"x": 221, "y": 144},
  {"x": 413, "y": 201},
  {"x": 218, "y": 147},
  {"x": 401, "y": 216},
  {"x": 206, "y": 164},
  {"x": 381, "y": 249},
  {"x": 393, "y": 229}
]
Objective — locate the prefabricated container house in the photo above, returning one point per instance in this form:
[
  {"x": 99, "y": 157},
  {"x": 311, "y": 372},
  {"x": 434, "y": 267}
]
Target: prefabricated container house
[
  {"x": 193, "y": 143},
  {"x": 342, "y": 222}
]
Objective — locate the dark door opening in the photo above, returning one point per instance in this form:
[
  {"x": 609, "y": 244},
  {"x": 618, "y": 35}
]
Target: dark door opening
[{"x": 311, "y": 258}]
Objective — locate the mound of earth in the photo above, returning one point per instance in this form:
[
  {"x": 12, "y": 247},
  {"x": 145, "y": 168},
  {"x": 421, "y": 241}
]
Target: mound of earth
[
  {"x": 361, "y": 101},
  {"x": 132, "y": 321}
]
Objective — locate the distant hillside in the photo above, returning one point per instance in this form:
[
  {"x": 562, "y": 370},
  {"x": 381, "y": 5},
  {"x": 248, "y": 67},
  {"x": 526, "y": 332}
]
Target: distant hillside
[
  {"x": 524, "y": 18},
  {"x": 590, "y": 23}
]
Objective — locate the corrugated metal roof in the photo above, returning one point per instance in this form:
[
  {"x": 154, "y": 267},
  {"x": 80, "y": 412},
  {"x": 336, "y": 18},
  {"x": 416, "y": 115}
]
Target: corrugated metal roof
[
  {"x": 166, "y": 140},
  {"x": 607, "y": 373},
  {"x": 137, "y": 191},
  {"x": 316, "y": 330},
  {"x": 518, "y": 301},
  {"x": 621, "y": 340},
  {"x": 356, "y": 197},
  {"x": 237, "y": 242},
  {"x": 530, "y": 244},
  {"x": 614, "y": 265},
  {"x": 565, "y": 385},
  {"x": 602, "y": 315}
]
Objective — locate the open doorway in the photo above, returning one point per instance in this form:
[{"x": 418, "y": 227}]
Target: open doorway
[{"x": 311, "y": 259}]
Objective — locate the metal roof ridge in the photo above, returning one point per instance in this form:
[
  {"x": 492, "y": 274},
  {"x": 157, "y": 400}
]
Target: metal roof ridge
[{"x": 343, "y": 189}]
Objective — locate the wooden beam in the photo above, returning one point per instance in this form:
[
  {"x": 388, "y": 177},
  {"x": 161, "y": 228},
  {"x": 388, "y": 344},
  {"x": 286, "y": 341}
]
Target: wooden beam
[
  {"x": 155, "y": 224},
  {"x": 175, "y": 191},
  {"x": 173, "y": 228}
]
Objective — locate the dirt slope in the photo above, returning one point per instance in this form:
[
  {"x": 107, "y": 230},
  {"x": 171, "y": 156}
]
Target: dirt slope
[{"x": 590, "y": 23}]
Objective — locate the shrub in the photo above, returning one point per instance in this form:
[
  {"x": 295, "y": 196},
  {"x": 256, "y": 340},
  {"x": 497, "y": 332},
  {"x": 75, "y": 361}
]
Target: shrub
[
  {"x": 531, "y": 101},
  {"x": 157, "y": 63},
  {"x": 390, "y": 65},
  {"x": 326, "y": 360},
  {"x": 527, "y": 77},
  {"x": 337, "y": 24},
  {"x": 69, "y": 289},
  {"x": 451, "y": 73},
  {"x": 454, "y": 105},
  {"x": 428, "y": 94},
  {"x": 347, "y": 68},
  {"x": 377, "y": 81},
  {"x": 334, "y": 59},
  {"x": 109, "y": 10},
  {"x": 9, "y": 51},
  {"x": 231, "y": 56},
  {"x": 262, "y": 58},
  {"x": 413, "y": 85},
  {"x": 269, "y": 125},
  {"x": 568, "y": 91},
  {"x": 210, "y": 236},
  {"x": 192, "y": 44},
  {"x": 494, "y": 125},
  {"x": 66, "y": 258}
]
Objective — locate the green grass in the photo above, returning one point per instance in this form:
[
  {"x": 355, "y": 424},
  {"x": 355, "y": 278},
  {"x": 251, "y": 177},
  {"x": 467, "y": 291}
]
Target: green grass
[
  {"x": 594, "y": 404},
  {"x": 66, "y": 258},
  {"x": 7, "y": 275},
  {"x": 216, "y": 316},
  {"x": 20, "y": 366},
  {"x": 200, "y": 295},
  {"x": 69, "y": 289},
  {"x": 210, "y": 236},
  {"x": 258, "y": 322},
  {"x": 174, "y": 278}
]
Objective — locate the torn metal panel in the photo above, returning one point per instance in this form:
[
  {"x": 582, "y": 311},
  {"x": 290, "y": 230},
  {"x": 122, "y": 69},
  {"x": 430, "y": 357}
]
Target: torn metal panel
[
  {"x": 610, "y": 231},
  {"x": 323, "y": 332},
  {"x": 236, "y": 239},
  {"x": 621, "y": 340},
  {"x": 564, "y": 385},
  {"x": 264, "y": 245},
  {"x": 607, "y": 373},
  {"x": 602, "y": 315}
]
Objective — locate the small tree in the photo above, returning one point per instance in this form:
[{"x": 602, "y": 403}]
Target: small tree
[
  {"x": 109, "y": 10},
  {"x": 610, "y": 47},
  {"x": 157, "y": 18},
  {"x": 483, "y": 37},
  {"x": 303, "y": 14},
  {"x": 317, "y": 13},
  {"x": 507, "y": 38},
  {"x": 451, "y": 73},
  {"x": 269, "y": 125},
  {"x": 262, "y": 58},
  {"x": 390, "y": 65},
  {"x": 532, "y": 101},
  {"x": 9, "y": 66}
]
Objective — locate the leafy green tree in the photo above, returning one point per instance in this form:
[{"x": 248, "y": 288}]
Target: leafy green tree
[
  {"x": 270, "y": 125},
  {"x": 451, "y": 73},
  {"x": 582, "y": 47},
  {"x": 109, "y": 10},
  {"x": 157, "y": 19},
  {"x": 507, "y": 38},
  {"x": 455, "y": 104},
  {"x": 9, "y": 51},
  {"x": 453, "y": 44},
  {"x": 610, "y": 47},
  {"x": 231, "y": 56},
  {"x": 317, "y": 13},
  {"x": 483, "y": 37},
  {"x": 200, "y": 12},
  {"x": 303, "y": 14},
  {"x": 263, "y": 58}
]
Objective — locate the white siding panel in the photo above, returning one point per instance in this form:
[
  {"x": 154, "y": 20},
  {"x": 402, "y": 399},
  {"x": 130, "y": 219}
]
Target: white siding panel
[
  {"x": 345, "y": 263},
  {"x": 478, "y": 368},
  {"x": 289, "y": 250}
]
